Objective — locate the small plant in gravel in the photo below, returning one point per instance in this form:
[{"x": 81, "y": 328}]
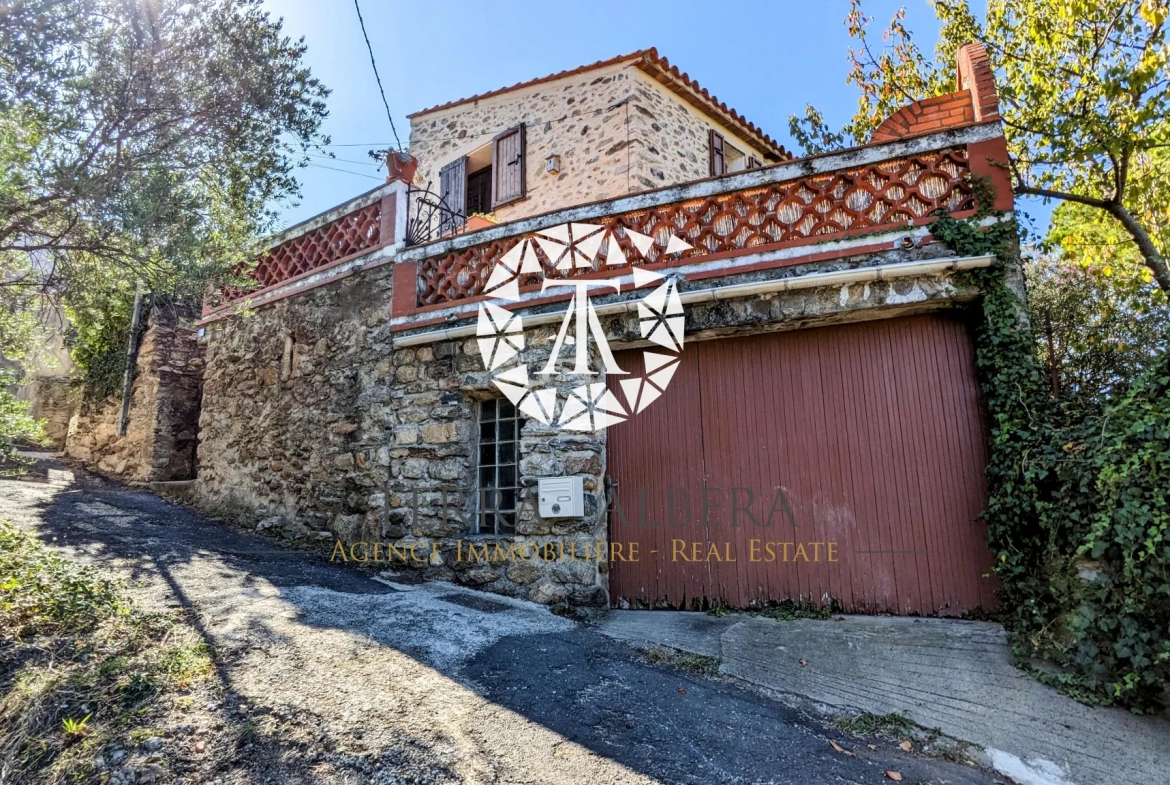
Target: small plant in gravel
[
  {"x": 697, "y": 664},
  {"x": 75, "y": 729},
  {"x": 80, "y": 668},
  {"x": 867, "y": 724}
]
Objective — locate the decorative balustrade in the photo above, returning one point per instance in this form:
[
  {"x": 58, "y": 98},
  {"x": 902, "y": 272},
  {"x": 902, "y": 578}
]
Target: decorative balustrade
[
  {"x": 344, "y": 236},
  {"x": 882, "y": 194}
]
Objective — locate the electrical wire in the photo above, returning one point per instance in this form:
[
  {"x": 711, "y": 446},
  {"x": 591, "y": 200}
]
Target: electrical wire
[
  {"x": 377, "y": 78},
  {"x": 346, "y": 171},
  {"x": 377, "y": 164}
]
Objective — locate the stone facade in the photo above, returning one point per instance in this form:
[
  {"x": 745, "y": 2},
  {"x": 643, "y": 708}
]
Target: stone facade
[
  {"x": 315, "y": 425},
  {"x": 617, "y": 131},
  {"x": 673, "y": 139},
  {"x": 161, "y": 437}
]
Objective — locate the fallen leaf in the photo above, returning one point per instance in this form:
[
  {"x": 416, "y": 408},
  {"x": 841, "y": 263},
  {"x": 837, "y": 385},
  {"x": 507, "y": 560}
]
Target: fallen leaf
[
  {"x": 629, "y": 724},
  {"x": 803, "y": 661},
  {"x": 839, "y": 618},
  {"x": 872, "y": 746},
  {"x": 905, "y": 746},
  {"x": 838, "y": 747},
  {"x": 681, "y": 691},
  {"x": 893, "y": 775}
]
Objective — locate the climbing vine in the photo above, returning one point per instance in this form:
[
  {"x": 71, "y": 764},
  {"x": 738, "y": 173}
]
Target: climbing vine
[{"x": 1077, "y": 513}]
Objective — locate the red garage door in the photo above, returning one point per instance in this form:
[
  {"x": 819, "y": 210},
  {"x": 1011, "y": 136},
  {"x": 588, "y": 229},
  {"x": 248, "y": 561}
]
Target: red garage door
[{"x": 838, "y": 465}]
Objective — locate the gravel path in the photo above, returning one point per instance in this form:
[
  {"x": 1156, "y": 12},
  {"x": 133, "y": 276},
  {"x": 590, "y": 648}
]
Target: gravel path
[{"x": 350, "y": 680}]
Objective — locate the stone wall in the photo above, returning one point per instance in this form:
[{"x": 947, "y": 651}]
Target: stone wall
[
  {"x": 296, "y": 410},
  {"x": 617, "y": 131},
  {"x": 314, "y": 426},
  {"x": 674, "y": 140},
  {"x": 161, "y": 436},
  {"x": 53, "y": 400}
]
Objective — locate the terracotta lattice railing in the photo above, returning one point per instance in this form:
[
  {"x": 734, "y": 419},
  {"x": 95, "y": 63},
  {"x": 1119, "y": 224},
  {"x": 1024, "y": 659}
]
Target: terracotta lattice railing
[
  {"x": 878, "y": 195},
  {"x": 344, "y": 236}
]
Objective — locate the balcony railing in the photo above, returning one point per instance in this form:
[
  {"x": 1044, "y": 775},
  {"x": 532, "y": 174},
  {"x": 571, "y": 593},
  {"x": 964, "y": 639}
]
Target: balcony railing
[
  {"x": 807, "y": 208},
  {"x": 428, "y": 217}
]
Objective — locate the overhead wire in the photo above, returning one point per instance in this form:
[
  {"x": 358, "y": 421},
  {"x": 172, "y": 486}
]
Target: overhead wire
[
  {"x": 377, "y": 78},
  {"x": 346, "y": 171}
]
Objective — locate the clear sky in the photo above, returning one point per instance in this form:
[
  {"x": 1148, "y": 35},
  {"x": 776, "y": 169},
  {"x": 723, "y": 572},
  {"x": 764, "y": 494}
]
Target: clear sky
[{"x": 765, "y": 59}]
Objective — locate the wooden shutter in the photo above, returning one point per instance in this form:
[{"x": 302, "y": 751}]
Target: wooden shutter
[
  {"x": 453, "y": 193},
  {"x": 508, "y": 167},
  {"x": 718, "y": 161},
  {"x": 754, "y": 163}
]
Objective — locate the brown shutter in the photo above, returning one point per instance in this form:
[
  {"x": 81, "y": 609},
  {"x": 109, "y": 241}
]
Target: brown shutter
[
  {"x": 718, "y": 162},
  {"x": 453, "y": 193},
  {"x": 508, "y": 167},
  {"x": 754, "y": 163}
]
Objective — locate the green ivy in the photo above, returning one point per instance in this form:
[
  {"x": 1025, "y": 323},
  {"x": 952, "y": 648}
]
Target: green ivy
[
  {"x": 99, "y": 330},
  {"x": 1077, "y": 509}
]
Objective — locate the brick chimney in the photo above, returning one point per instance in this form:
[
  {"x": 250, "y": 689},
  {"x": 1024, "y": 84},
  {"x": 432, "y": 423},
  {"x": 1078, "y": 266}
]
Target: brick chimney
[{"x": 976, "y": 76}]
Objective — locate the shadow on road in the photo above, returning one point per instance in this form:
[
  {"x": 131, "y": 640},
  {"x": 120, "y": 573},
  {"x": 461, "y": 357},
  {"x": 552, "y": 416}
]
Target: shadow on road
[{"x": 520, "y": 683}]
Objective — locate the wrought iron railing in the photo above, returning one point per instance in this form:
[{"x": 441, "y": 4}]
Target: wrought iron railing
[{"x": 428, "y": 217}]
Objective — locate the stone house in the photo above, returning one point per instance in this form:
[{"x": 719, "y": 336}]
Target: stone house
[
  {"x": 814, "y": 433},
  {"x": 615, "y": 127}
]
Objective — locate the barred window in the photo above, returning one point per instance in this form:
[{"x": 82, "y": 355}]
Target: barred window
[{"x": 499, "y": 454}]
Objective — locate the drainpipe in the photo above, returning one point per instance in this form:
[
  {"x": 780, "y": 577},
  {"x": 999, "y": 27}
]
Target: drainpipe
[{"x": 131, "y": 359}]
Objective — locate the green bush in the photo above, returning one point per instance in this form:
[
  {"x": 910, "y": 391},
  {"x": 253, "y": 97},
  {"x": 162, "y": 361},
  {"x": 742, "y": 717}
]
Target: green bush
[
  {"x": 1077, "y": 509},
  {"x": 1120, "y": 626},
  {"x": 16, "y": 425},
  {"x": 42, "y": 592}
]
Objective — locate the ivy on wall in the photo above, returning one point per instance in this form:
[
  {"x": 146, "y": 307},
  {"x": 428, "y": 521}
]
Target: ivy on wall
[
  {"x": 97, "y": 339},
  {"x": 1078, "y": 515}
]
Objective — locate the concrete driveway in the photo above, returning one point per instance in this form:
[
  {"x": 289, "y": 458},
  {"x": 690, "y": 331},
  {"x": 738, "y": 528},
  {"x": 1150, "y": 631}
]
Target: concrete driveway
[
  {"x": 433, "y": 684},
  {"x": 948, "y": 674}
]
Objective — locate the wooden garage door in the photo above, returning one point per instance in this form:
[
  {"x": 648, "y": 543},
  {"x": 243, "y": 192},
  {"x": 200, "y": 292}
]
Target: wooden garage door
[{"x": 851, "y": 459}]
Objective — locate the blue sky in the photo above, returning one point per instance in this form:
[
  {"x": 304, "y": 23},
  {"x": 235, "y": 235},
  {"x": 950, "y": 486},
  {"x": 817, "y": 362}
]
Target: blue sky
[{"x": 765, "y": 59}]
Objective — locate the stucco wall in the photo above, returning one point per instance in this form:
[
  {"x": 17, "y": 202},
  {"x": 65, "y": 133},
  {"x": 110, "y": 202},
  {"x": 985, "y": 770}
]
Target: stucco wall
[{"x": 652, "y": 140}]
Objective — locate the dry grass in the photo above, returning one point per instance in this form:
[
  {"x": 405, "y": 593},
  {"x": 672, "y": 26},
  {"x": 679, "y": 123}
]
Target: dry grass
[{"x": 79, "y": 666}]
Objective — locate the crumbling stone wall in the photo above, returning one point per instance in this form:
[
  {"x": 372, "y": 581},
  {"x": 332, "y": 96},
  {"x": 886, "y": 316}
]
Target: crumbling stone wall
[
  {"x": 53, "y": 400},
  {"x": 161, "y": 436}
]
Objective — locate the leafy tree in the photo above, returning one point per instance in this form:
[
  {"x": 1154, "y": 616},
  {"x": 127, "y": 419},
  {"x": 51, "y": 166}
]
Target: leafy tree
[
  {"x": 1098, "y": 326},
  {"x": 147, "y": 140},
  {"x": 1084, "y": 91},
  {"x": 142, "y": 143}
]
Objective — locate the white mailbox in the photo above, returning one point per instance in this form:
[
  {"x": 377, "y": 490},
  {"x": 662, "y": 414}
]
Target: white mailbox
[{"x": 561, "y": 497}]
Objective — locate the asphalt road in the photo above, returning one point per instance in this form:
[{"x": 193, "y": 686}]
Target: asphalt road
[{"x": 420, "y": 685}]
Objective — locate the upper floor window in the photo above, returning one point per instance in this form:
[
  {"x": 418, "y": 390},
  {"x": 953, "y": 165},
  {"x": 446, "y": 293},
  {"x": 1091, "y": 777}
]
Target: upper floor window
[
  {"x": 487, "y": 178},
  {"x": 499, "y": 457},
  {"x": 726, "y": 157}
]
